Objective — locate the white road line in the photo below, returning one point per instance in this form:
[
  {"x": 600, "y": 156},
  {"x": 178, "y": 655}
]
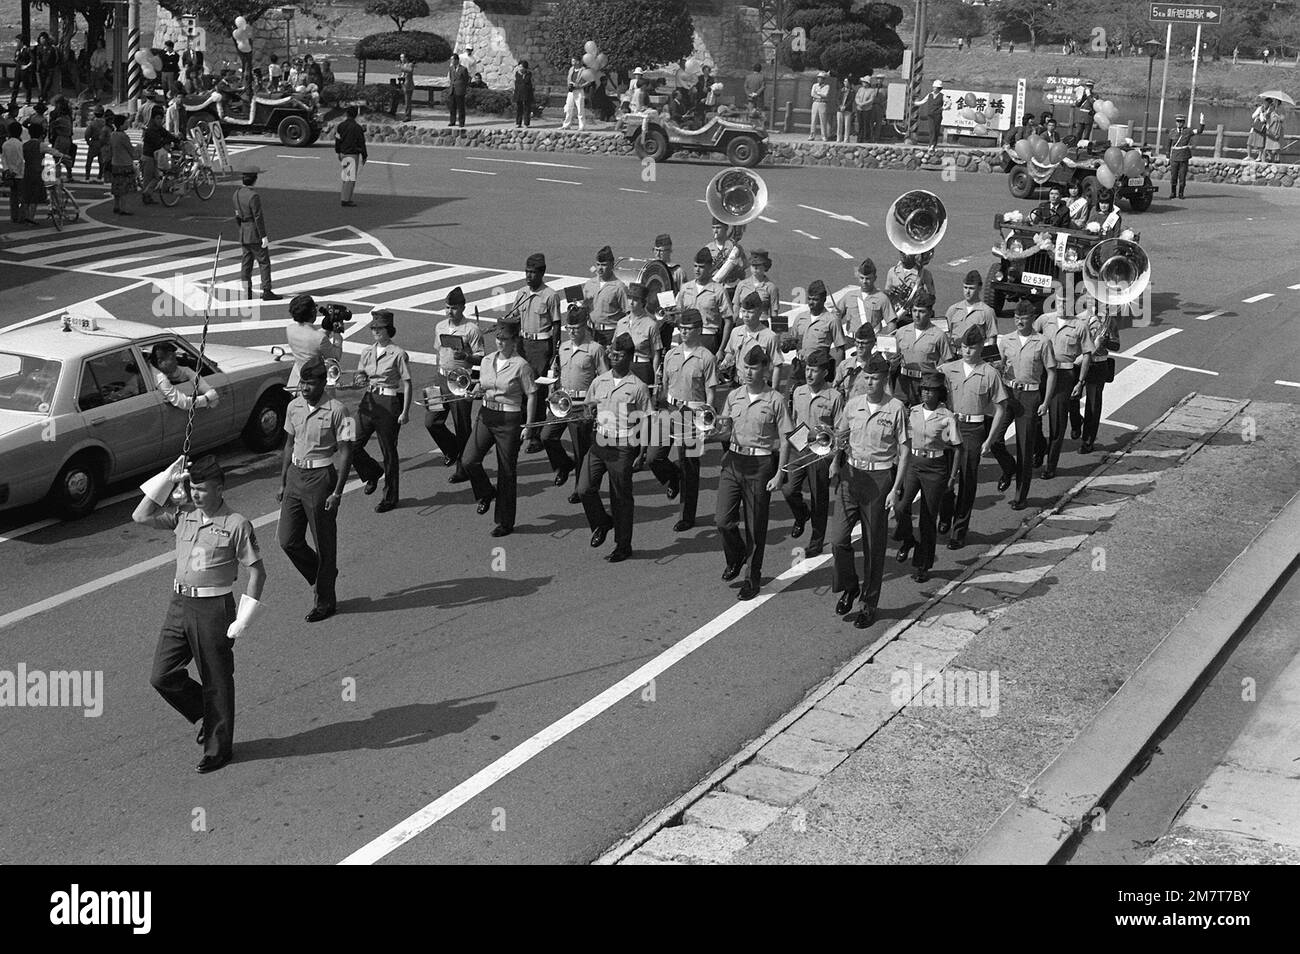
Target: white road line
[
  {"x": 840, "y": 252},
  {"x": 640, "y": 191},
  {"x": 815, "y": 238},
  {"x": 233, "y": 269},
  {"x": 474, "y": 172},
  {"x": 333, "y": 262},
  {"x": 282, "y": 156},
  {"x": 1294, "y": 287},
  {"x": 348, "y": 278},
  {"x": 476, "y": 784},
  {"x": 378, "y": 162},
  {"x": 430, "y": 295},
  {"x": 959, "y": 261},
  {"x": 92, "y": 250},
  {"x": 1288, "y": 384},
  {"x": 764, "y": 218},
  {"x": 1213, "y": 314},
  {"x": 528, "y": 162},
  {"x": 1147, "y": 343},
  {"x": 1254, "y": 298},
  {"x": 103, "y": 233},
  {"x": 1129, "y": 383},
  {"x": 1120, "y": 424},
  {"x": 559, "y": 181}
]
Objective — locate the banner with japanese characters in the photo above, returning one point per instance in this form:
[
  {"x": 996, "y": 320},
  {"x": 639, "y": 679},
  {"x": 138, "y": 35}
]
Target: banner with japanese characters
[{"x": 963, "y": 109}]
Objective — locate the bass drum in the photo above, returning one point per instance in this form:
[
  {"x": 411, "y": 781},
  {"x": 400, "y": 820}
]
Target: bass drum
[{"x": 656, "y": 277}]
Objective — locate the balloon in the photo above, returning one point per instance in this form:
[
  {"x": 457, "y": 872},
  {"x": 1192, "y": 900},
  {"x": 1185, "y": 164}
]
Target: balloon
[
  {"x": 981, "y": 130},
  {"x": 155, "y": 61},
  {"x": 589, "y": 61},
  {"x": 587, "y": 76},
  {"x": 602, "y": 61},
  {"x": 148, "y": 72},
  {"x": 1109, "y": 109},
  {"x": 1034, "y": 140},
  {"x": 966, "y": 113},
  {"x": 1024, "y": 149},
  {"x": 981, "y": 116},
  {"x": 1041, "y": 150},
  {"x": 1105, "y": 176},
  {"x": 969, "y": 100},
  {"x": 1056, "y": 151},
  {"x": 1114, "y": 158},
  {"x": 1134, "y": 164},
  {"x": 592, "y": 48},
  {"x": 241, "y": 23},
  {"x": 692, "y": 65},
  {"x": 1102, "y": 121},
  {"x": 141, "y": 57}
]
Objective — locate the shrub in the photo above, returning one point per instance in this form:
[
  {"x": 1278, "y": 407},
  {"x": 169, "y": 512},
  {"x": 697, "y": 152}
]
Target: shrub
[
  {"x": 376, "y": 97},
  {"x": 490, "y": 102},
  {"x": 418, "y": 46}
]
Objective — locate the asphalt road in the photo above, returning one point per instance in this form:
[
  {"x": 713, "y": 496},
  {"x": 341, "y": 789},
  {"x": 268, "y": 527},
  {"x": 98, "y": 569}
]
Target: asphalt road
[{"x": 462, "y": 654}]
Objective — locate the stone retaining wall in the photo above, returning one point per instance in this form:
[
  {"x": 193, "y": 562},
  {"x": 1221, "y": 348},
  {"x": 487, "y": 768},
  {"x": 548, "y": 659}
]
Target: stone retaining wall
[{"x": 1229, "y": 171}]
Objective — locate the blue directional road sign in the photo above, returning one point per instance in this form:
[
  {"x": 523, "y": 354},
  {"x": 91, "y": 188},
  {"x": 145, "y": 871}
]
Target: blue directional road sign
[{"x": 1199, "y": 13}]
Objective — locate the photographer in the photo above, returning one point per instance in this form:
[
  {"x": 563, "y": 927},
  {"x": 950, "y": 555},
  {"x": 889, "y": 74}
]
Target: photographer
[{"x": 306, "y": 341}]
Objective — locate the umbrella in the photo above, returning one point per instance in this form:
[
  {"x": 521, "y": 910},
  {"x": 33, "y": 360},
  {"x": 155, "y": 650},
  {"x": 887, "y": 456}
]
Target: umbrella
[{"x": 1278, "y": 95}]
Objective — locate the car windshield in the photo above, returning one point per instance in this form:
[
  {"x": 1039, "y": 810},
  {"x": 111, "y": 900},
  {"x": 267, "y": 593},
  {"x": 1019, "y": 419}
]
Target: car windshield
[{"x": 27, "y": 382}]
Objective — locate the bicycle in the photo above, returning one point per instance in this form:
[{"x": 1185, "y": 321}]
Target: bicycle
[
  {"x": 63, "y": 207},
  {"x": 185, "y": 173}
]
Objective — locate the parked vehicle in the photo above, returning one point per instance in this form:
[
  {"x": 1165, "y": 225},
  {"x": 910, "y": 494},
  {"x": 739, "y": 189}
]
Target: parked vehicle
[
  {"x": 653, "y": 136},
  {"x": 293, "y": 117}
]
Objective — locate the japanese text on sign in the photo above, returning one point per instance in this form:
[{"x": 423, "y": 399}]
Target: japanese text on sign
[{"x": 1186, "y": 13}]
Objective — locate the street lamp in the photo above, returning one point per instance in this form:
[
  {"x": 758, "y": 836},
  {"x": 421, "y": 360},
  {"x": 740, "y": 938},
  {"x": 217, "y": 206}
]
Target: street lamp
[{"x": 1153, "y": 47}]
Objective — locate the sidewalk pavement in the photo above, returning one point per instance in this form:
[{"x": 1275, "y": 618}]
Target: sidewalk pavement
[
  {"x": 1248, "y": 810},
  {"x": 914, "y": 750}
]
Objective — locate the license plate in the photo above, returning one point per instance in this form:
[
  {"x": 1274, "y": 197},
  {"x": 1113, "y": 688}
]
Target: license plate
[{"x": 1034, "y": 280}]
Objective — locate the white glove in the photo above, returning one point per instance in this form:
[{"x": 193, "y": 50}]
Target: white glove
[
  {"x": 266, "y": 243},
  {"x": 249, "y": 610},
  {"x": 159, "y": 487}
]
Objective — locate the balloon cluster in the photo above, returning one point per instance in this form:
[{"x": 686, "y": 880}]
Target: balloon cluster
[
  {"x": 149, "y": 62},
  {"x": 691, "y": 71},
  {"x": 977, "y": 115},
  {"x": 1104, "y": 112},
  {"x": 1115, "y": 162},
  {"x": 592, "y": 61},
  {"x": 242, "y": 34},
  {"x": 1040, "y": 155}
]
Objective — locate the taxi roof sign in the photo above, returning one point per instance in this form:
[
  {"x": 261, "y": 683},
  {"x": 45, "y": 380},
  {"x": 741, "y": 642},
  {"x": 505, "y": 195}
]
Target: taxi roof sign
[{"x": 79, "y": 322}]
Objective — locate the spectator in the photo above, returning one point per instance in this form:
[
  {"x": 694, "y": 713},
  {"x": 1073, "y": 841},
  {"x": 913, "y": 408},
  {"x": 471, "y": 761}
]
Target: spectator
[
  {"x": 33, "y": 186},
  {"x": 326, "y": 74},
  {"x": 24, "y": 70},
  {"x": 47, "y": 62},
  {"x": 523, "y": 95},
  {"x": 94, "y": 135},
  {"x": 314, "y": 73},
  {"x": 821, "y": 91},
  {"x": 458, "y": 82},
  {"x": 156, "y": 139},
  {"x": 173, "y": 123},
  {"x": 274, "y": 73},
  {"x": 101, "y": 79},
  {"x": 573, "y": 106},
  {"x": 121, "y": 163},
  {"x": 756, "y": 87},
  {"x": 637, "y": 94},
  {"x": 171, "y": 67},
  {"x": 11, "y": 169},
  {"x": 406, "y": 79},
  {"x": 478, "y": 82},
  {"x": 997, "y": 42},
  {"x": 61, "y": 134},
  {"x": 930, "y": 110},
  {"x": 864, "y": 101},
  {"x": 844, "y": 112},
  {"x": 350, "y": 146}
]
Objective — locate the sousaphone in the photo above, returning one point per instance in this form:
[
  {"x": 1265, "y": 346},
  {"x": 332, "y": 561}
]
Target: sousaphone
[
  {"x": 1116, "y": 272},
  {"x": 736, "y": 196},
  {"x": 915, "y": 225}
]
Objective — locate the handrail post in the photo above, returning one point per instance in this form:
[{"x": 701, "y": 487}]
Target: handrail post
[
  {"x": 1218, "y": 142},
  {"x": 788, "y": 125}
]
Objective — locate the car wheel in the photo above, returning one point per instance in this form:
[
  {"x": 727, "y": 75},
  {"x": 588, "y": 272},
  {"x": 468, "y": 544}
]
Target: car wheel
[
  {"x": 1021, "y": 183},
  {"x": 294, "y": 131},
  {"x": 76, "y": 489},
  {"x": 744, "y": 151},
  {"x": 653, "y": 145},
  {"x": 1090, "y": 187},
  {"x": 994, "y": 299},
  {"x": 1141, "y": 201},
  {"x": 265, "y": 428}
]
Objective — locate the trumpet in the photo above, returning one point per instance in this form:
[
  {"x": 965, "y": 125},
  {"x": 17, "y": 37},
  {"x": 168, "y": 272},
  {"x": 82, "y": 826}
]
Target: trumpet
[
  {"x": 821, "y": 445},
  {"x": 564, "y": 409},
  {"x": 709, "y": 422},
  {"x": 460, "y": 385}
]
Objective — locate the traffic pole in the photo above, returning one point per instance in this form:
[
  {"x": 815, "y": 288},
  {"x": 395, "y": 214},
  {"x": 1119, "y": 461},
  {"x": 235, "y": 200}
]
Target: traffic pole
[
  {"x": 132, "y": 47},
  {"x": 1164, "y": 83},
  {"x": 918, "y": 71},
  {"x": 1196, "y": 58}
]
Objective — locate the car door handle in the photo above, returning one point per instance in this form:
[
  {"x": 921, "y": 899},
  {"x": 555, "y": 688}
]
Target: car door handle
[{"x": 95, "y": 421}]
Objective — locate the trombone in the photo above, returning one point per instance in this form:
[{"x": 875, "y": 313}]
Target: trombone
[
  {"x": 709, "y": 422},
  {"x": 460, "y": 385},
  {"x": 821, "y": 445},
  {"x": 562, "y": 406}
]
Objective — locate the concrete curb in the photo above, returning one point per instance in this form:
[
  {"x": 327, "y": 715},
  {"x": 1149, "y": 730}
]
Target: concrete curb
[
  {"x": 1051, "y": 812},
  {"x": 661, "y": 819}
]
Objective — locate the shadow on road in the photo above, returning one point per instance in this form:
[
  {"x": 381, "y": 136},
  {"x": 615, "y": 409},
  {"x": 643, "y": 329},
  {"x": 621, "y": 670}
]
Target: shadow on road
[{"x": 447, "y": 594}]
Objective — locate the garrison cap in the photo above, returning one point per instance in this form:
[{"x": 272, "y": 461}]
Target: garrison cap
[
  {"x": 973, "y": 278},
  {"x": 456, "y": 297},
  {"x": 690, "y": 318},
  {"x": 624, "y": 343},
  {"x": 878, "y": 364},
  {"x": 508, "y": 328},
  {"x": 867, "y": 267},
  {"x": 818, "y": 287},
  {"x": 819, "y": 358},
  {"x": 536, "y": 260},
  {"x": 762, "y": 256},
  {"x": 718, "y": 222},
  {"x": 1024, "y": 309},
  {"x": 313, "y": 368},
  {"x": 383, "y": 318},
  {"x": 663, "y": 240},
  {"x": 605, "y": 256},
  {"x": 755, "y": 356},
  {"x": 753, "y": 301},
  {"x": 933, "y": 381},
  {"x": 864, "y": 333},
  {"x": 577, "y": 315},
  {"x": 637, "y": 292},
  {"x": 703, "y": 257},
  {"x": 923, "y": 299},
  {"x": 302, "y": 308},
  {"x": 973, "y": 336},
  {"x": 206, "y": 468}
]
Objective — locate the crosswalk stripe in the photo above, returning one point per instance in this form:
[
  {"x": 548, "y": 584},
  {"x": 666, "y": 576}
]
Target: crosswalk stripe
[
  {"x": 312, "y": 268},
  {"x": 1254, "y": 298},
  {"x": 140, "y": 257},
  {"x": 348, "y": 279},
  {"x": 182, "y": 264},
  {"x": 100, "y": 231},
  {"x": 233, "y": 269},
  {"x": 429, "y": 296},
  {"x": 442, "y": 274},
  {"x": 93, "y": 251},
  {"x": 1129, "y": 383}
]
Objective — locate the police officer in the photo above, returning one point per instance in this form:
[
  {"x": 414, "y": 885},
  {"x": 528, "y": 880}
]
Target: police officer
[
  {"x": 921, "y": 347},
  {"x": 463, "y": 357},
  {"x": 971, "y": 310},
  {"x": 579, "y": 362},
  {"x": 752, "y": 469},
  {"x": 311, "y": 487},
  {"x": 979, "y": 400},
  {"x": 933, "y": 467},
  {"x": 816, "y": 406},
  {"x": 537, "y": 309},
  {"x": 690, "y": 379},
  {"x": 866, "y": 304},
  {"x": 875, "y": 426},
  {"x": 760, "y": 262},
  {"x": 1180, "y": 154},
  {"x": 385, "y": 407},
  {"x": 710, "y": 300},
  {"x": 639, "y": 325},
  {"x": 817, "y": 329},
  {"x": 212, "y": 541},
  {"x": 507, "y": 388},
  {"x": 851, "y": 376},
  {"x": 1067, "y": 334},
  {"x": 1029, "y": 369},
  {"x": 605, "y": 297},
  {"x": 621, "y": 402},
  {"x": 253, "y": 238}
]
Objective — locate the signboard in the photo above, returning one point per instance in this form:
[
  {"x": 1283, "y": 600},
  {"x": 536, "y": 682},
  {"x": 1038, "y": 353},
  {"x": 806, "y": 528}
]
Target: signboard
[
  {"x": 997, "y": 107},
  {"x": 1199, "y": 13},
  {"x": 1063, "y": 90},
  {"x": 1022, "y": 101}
]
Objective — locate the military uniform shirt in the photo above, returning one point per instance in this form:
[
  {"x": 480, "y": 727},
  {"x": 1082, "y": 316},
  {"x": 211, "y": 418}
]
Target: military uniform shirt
[
  {"x": 473, "y": 340},
  {"x": 1066, "y": 336},
  {"x": 851, "y": 378},
  {"x": 767, "y": 291},
  {"x": 209, "y": 551},
  {"x": 962, "y": 316},
  {"x": 644, "y": 333},
  {"x": 710, "y": 300},
  {"x": 818, "y": 331},
  {"x": 761, "y": 423},
  {"x": 689, "y": 372},
  {"x": 607, "y": 301},
  {"x": 874, "y": 438},
  {"x": 506, "y": 381},
  {"x": 579, "y": 365},
  {"x": 817, "y": 408},
  {"x": 923, "y": 349},
  {"x": 899, "y": 275},
  {"x": 937, "y": 432},
  {"x": 721, "y": 253},
  {"x": 386, "y": 367},
  {"x": 615, "y": 400},
  {"x": 540, "y": 312},
  {"x": 742, "y": 339},
  {"x": 317, "y": 429},
  {"x": 975, "y": 393},
  {"x": 1024, "y": 362},
  {"x": 857, "y": 308}
]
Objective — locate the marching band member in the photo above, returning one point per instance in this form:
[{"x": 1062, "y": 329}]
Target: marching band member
[
  {"x": 1097, "y": 369},
  {"x": 865, "y": 305},
  {"x": 760, "y": 261},
  {"x": 1067, "y": 335},
  {"x": 639, "y": 325},
  {"x": 876, "y": 428},
  {"x": 816, "y": 405},
  {"x": 851, "y": 377},
  {"x": 506, "y": 382},
  {"x": 462, "y": 358},
  {"x": 727, "y": 256},
  {"x": 750, "y": 332},
  {"x": 212, "y": 542},
  {"x": 710, "y": 300},
  {"x": 1077, "y": 204},
  {"x": 933, "y": 468},
  {"x": 1052, "y": 211},
  {"x": 979, "y": 399},
  {"x": 817, "y": 329},
  {"x": 538, "y": 309},
  {"x": 903, "y": 280},
  {"x": 971, "y": 311},
  {"x": 689, "y": 377},
  {"x": 663, "y": 252},
  {"x": 752, "y": 469},
  {"x": 580, "y": 360},
  {"x": 1109, "y": 223},
  {"x": 385, "y": 407},
  {"x": 1029, "y": 367},
  {"x": 921, "y": 347},
  {"x": 605, "y": 296},
  {"x": 311, "y": 488},
  {"x": 621, "y": 402}
]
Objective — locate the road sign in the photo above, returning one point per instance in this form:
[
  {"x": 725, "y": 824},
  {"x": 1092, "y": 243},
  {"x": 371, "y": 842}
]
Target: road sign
[{"x": 1198, "y": 13}]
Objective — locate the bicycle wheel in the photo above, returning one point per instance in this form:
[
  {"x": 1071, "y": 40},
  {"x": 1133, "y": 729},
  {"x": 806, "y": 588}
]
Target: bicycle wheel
[
  {"x": 169, "y": 190},
  {"x": 56, "y": 208},
  {"x": 205, "y": 183},
  {"x": 71, "y": 211}
]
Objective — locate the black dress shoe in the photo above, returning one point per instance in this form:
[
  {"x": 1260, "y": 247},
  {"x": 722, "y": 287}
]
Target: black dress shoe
[
  {"x": 1085, "y": 447},
  {"x": 1017, "y": 505},
  {"x": 943, "y": 526},
  {"x": 748, "y": 589},
  {"x": 384, "y": 506},
  {"x": 618, "y": 556},
  {"x": 319, "y": 613},
  {"x": 369, "y": 487},
  {"x": 562, "y": 476},
  {"x": 811, "y": 552},
  {"x": 533, "y": 446},
  {"x": 921, "y": 575},
  {"x": 1004, "y": 482},
  {"x": 797, "y": 530},
  {"x": 202, "y": 735},
  {"x": 500, "y": 531},
  {"x": 457, "y": 478},
  {"x": 1074, "y": 433},
  {"x": 845, "y": 605},
  {"x": 271, "y": 296},
  {"x": 956, "y": 544},
  {"x": 1048, "y": 473},
  {"x": 732, "y": 571},
  {"x": 681, "y": 526},
  {"x": 447, "y": 461},
  {"x": 904, "y": 551},
  {"x": 598, "y": 535},
  {"x": 865, "y": 618},
  {"x": 348, "y": 205},
  {"x": 575, "y": 498},
  {"x": 485, "y": 504},
  {"x": 210, "y": 763},
  {"x": 674, "y": 488}
]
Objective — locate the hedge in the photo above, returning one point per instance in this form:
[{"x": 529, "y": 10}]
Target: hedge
[
  {"x": 377, "y": 97},
  {"x": 419, "y": 47}
]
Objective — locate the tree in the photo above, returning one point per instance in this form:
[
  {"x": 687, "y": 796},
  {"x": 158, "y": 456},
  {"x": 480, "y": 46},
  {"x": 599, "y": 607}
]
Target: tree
[
  {"x": 842, "y": 37},
  {"x": 1285, "y": 32},
  {"x": 629, "y": 32},
  {"x": 223, "y": 11},
  {"x": 1034, "y": 15},
  {"x": 419, "y": 47},
  {"x": 954, "y": 18},
  {"x": 399, "y": 11}
]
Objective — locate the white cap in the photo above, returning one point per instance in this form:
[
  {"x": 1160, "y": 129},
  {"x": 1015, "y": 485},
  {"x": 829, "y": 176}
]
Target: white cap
[
  {"x": 637, "y": 70},
  {"x": 937, "y": 84},
  {"x": 864, "y": 79}
]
